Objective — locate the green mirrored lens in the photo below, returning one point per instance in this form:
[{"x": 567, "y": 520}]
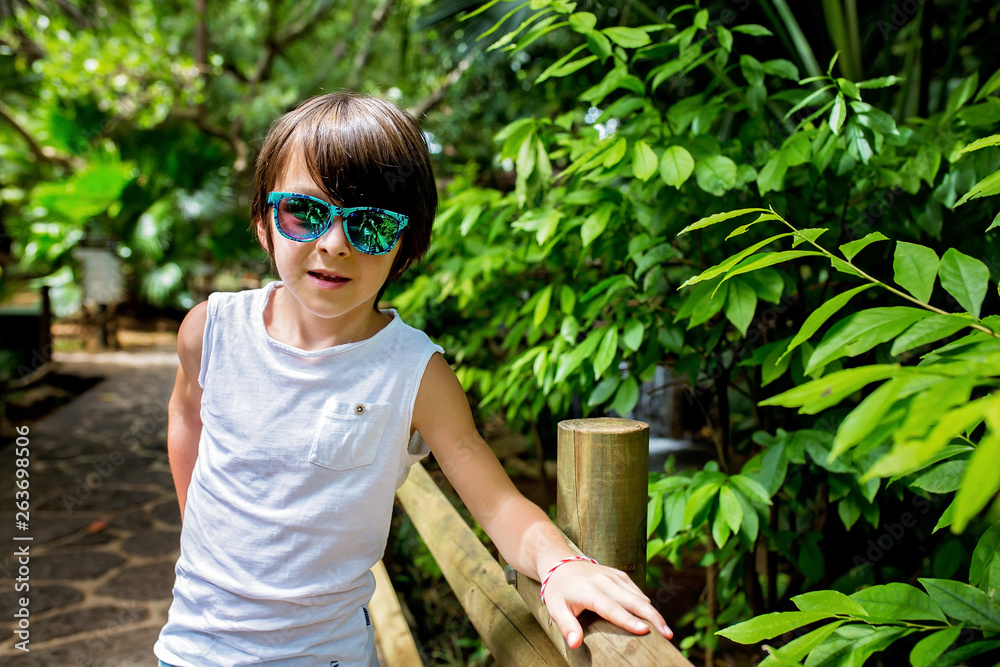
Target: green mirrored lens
[{"x": 372, "y": 232}]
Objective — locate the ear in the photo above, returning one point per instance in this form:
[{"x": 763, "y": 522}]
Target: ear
[{"x": 261, "y": 230}]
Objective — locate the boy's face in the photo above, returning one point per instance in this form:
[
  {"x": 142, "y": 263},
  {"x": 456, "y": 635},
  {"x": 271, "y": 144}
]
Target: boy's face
[{"x": 328, "y": 277}]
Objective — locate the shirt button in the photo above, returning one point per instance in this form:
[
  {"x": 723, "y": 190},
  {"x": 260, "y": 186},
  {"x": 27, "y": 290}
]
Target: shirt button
[{"x": 359, "y": 409}]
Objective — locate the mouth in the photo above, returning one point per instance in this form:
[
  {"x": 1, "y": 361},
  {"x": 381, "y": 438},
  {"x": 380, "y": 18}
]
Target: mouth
[{"x": 329, "y": 277}]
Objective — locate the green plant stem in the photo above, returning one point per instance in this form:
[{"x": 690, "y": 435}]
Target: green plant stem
[
  {"x": 876, "y": 281},
  {"x": 801, "y": 43}
]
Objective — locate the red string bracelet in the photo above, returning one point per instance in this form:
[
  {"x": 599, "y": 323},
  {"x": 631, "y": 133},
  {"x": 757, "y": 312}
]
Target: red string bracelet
[{"x": 545, "y": 579}]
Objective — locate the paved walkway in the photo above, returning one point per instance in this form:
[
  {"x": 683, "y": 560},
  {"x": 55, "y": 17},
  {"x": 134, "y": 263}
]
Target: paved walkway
[{"x": 104, "y": 524}]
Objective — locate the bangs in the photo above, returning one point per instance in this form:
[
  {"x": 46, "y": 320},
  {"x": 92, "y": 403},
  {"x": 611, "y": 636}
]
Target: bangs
[{"x": 357, "y": 154}]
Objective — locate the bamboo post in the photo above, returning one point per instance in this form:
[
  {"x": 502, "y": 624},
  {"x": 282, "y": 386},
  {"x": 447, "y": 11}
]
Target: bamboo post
[
  {"x": 603, "y": 486},
  {"x": 391, "y": 631}
]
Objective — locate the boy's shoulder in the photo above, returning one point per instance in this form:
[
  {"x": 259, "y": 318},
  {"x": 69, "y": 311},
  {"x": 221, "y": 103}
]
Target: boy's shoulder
[{"x": 241, "y": 300}]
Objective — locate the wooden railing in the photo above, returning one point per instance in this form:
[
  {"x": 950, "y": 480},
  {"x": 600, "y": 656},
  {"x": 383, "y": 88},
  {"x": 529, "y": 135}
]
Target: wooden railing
[{"x": 601, "y": 509}]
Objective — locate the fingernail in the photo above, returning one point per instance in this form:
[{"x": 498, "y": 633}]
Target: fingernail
[
  {"x": 572, "y": 638},
  {"x": 667, "y": 631}
]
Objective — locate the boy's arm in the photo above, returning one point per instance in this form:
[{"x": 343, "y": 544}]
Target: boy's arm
[
  {"x": 524, "y": 535},
  {"x": 184, "y": 409}
]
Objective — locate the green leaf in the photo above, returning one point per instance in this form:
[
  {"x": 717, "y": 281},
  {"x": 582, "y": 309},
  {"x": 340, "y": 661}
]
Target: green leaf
[
  {"x": 850, "y": 250},
  {"x": 567, "y": 299},
  {"x": 730, "y": 509},
  {"x": 599, "y": 45},
  {"x": 986, "y": 553},
  {"x": 715, "y": 174},
  {"x": 596, "y": 223},
  {"x": 853, "y": 644},
  {"x": 644, "y": 160},
  {"x": 582, "y": 22},
  {"x": 964, "y": 602},
  {"x": 774, "y": 365},
  {"x": 771, "y": 625},
  {"x": 563, "y": 67},
  {"x": 898, "y": 602},
  {"x": 995, "y": 223},
  {"x": 820, "y": 94},
  {"x": 626, "y": 397},
  {"x": 740, "y": 306},
  {"x": 798, "y": 648},
  {"x": 989, "y": 87},
  {"x": 676, "y": 166},
  {"x": 753, "y": 29},
  {"x": 630, "y": 38},
  {"x": 857, "y": 144},
  {"x": 751, "y": 488},
  {"x": 910, "y": 455},
  {"x": 542, "y": 306},
  {"x": 929, "y": 330},
  {"x": 720, "y": 217},
  {"x": 838, "y": 114},
  {"x": 987, "y": 187},
  {"x": 943, "y": 478},
  {"x": 881, "y": 82},
  {"x": 915, "y": 268},
  {"x": 654, "y": 514},
  {"x": 632, "y": 337},
  {"x": 985, "y": 142},
  {"x": 772, "y": 175},
  {"x": 742, "y": 229},
  {"x": 720, "y": 532},
  {"x": 866, "y": 417},
  {"x": 818, "y": 317},
  {"x": 700, "y": 499},
  {"x": 859, "y": 332},
  {"x": 607, "y": 286},
  {"x": 780, "y": 67},
  {"x": 606, "y": 351},
  {"x": 833, "y": 602},
  {"x": 964, "y": 278},
  {"x": 930, "y": 648},
  {"x": 725, "y": 38},
  {"x": 615, "y": 154},
  {"x": 725, "y": 266},
  {"x": 604, "y": 390},
  {"x": 831, "y": 389},
  {"x": 750, "y": 527},
  {"x": 962, "y": 94},
  {"x": 764, "y": 259},
  {"x": 981, "y": 482}
]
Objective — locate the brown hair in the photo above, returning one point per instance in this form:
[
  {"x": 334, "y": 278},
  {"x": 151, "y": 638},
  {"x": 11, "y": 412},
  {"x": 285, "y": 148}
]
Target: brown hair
[{"x": 362, "y": 151}]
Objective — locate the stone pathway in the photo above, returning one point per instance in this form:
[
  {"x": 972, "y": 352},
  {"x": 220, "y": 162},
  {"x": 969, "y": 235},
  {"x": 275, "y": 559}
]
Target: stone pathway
[{"x": 104, "y": 524}]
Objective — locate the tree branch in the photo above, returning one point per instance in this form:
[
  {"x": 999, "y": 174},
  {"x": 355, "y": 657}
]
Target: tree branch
[
  {"x": 43, "y": 153},
  {"x": 379, "y": 18},
  {"x": 200, "y": 39},
  {"x": 419, "y": 109}
]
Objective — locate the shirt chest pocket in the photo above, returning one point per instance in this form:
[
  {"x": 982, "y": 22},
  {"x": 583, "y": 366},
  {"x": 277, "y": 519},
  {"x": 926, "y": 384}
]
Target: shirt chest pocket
[{"x": 348, "y": 434}]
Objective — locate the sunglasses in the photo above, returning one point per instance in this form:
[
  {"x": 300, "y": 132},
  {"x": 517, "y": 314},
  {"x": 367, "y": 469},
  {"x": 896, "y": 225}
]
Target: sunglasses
[{"x": 372, "y": 231}]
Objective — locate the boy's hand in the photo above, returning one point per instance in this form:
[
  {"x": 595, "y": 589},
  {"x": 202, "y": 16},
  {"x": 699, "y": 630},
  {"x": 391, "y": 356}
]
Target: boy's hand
[{"x": 608, "y": 592}]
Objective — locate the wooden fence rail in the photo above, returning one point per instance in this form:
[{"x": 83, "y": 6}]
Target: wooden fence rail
[{"x": 601, "y": 506}]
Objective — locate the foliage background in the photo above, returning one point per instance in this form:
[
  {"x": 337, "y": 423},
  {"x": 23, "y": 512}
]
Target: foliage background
[{"x": 575, "y": 141}]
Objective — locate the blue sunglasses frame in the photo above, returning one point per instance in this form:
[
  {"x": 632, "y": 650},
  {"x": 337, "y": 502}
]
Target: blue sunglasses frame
[{"x": 274, "y": 200}]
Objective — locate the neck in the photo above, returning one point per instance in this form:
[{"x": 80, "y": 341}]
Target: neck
[{"x": 289, "y": 323}]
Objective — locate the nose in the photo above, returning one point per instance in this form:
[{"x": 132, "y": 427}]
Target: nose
[{"x": 334, "y": 240}]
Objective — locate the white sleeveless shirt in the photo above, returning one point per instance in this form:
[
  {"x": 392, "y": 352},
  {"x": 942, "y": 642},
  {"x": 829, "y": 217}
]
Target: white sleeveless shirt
[{"x": 289, "y": 506}]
